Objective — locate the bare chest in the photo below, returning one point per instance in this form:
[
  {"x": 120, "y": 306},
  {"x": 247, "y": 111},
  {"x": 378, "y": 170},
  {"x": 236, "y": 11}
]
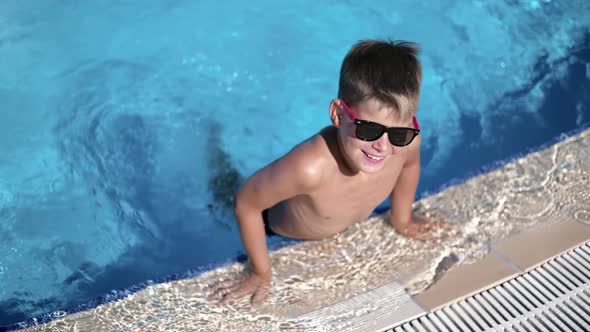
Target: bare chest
[{"x": 350, "y": 199}]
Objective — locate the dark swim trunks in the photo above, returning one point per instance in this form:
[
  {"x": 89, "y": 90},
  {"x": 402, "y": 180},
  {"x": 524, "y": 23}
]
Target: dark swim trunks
[{"x": 267, "y": 229}]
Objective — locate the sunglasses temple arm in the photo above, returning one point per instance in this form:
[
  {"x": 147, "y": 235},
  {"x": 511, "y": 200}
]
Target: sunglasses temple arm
[
  {"x": 348, "y": 111},
  {"x": 416, "y": 125}
]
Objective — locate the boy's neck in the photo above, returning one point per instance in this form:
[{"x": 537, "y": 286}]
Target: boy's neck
[{"x": 330, "y": 136}]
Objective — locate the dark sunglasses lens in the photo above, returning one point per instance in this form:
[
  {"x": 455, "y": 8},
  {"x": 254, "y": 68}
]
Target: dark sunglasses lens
[
  {"x": 400, "y": 136},
  {"x": 369, "y": 131}
]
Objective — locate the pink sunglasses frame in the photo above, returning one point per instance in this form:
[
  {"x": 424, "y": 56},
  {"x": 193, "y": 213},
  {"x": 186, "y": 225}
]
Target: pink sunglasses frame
[{"x": 353, "y": 117}]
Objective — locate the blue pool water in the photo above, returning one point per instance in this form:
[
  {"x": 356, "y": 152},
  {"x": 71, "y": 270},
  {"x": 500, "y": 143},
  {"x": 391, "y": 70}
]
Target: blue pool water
[{"x": 125, "y": 128}]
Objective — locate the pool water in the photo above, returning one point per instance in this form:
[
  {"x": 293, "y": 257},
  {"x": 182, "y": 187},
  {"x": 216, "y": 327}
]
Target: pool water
[{"x": 125, "y": 129}]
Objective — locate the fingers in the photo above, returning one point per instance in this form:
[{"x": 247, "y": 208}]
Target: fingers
[
  {"x": 222, "y": 291},
  {"x": 437, "y": 226},
  {"x": 259, "y": 296},
  {"x": 426, "y": 227},
  {"x": 423, "y": 231},
  {"x": 423, "y": 236},
  {"x": 230, "y": 290},
  {"x": 237, "y": 292},
  {"x": 446, "y": 226}
]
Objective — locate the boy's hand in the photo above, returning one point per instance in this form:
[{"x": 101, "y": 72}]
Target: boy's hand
[
  {"x": 420, "y": 228},
  {"x": 255, "y": 284}
]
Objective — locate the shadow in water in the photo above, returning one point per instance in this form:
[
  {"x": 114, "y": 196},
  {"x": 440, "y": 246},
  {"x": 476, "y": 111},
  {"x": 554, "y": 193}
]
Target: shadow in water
[{"x": 224, "y": 179}]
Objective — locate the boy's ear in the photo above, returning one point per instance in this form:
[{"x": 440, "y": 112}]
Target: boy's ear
[{"x": 336, "y": 112}]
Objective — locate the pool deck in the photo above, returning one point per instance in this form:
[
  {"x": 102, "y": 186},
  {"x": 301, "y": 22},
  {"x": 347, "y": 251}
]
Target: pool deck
[{"x": 505, "y": 222}]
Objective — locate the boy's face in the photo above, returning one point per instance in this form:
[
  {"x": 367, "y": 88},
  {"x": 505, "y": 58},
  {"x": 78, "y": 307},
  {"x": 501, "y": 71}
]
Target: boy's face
[{"x": 366, "y": 156}]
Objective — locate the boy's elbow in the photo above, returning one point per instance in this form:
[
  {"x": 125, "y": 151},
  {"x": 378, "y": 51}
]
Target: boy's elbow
[{"x": 240, "y": 203}]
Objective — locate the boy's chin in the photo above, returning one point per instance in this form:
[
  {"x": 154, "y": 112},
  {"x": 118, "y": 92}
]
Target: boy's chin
[{"x": 371, "y": 170}]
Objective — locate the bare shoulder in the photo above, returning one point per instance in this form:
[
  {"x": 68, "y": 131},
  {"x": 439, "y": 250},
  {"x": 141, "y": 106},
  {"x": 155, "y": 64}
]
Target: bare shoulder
[
  {"x": 299, "y": 171},
  {"x": 311, "y": 159},
  {"x": 412, "y": 154}
]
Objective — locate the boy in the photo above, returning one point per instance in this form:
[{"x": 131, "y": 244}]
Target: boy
[{"x": 338, "y": 177}]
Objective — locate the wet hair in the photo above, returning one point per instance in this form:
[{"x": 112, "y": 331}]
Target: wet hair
[{"x": 388, "y": 71}]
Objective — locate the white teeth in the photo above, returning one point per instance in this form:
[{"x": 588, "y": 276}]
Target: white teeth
[{"x": 372, "y": 156}]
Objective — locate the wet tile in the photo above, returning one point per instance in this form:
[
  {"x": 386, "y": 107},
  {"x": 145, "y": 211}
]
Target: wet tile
[
  {"x": 465, "y": 280},
  {"x": 534, "y": 246},
  {"x": 373, "y": 310},
  {"x": 531, "y": 189},
  {"x": 66, "y": 323},
  {"x": 124, "y": 315}
]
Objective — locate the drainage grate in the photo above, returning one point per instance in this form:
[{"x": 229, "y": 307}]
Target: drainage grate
[{"x": 553, "y": 297}]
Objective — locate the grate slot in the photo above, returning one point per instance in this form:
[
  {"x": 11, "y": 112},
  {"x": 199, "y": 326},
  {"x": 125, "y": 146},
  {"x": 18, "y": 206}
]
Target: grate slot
[
  {"x": 426, "y": 322},
  {"x": 563, "y": 274},
  {"x": 440, "y": 326},
  {"x": 583, "y": 301},
  {"x": 575, "y": 270},
  {"x": 474, "y": 317},
  {"x": 416, "y": 324},
  {"x": 579, "y": 262},
  {"x": 489, "y": 321},
  {"x": 514, "y": 302},
  {"x": 526, "y": 326},
  {"x": 498, "y": 306},
  {"x": 493, "y": 312},
  {"x": 584, "y": 298},
  {"x": 408, "y": 327},
  {"x": 520, "y": 299},
  {"x": 548, "y": 320},
  {"x": 555, "y": 320},
  {"x": 576, "y": 260},
  {"x": 548, "y": 276},
  {"x": 505, "y": 301},
  {"x": 465, "y": 317},
  {"x": 542, "y": 285},
  {"x": 585, "y": 249},
  {"x": 539, "y": 326},
  {"x": 577, "y": 277},
  {"x": 579, "y": 316},
  {"x": 518, "y": 327},
  {"x": 581, "y": 304},
  {"x": 565, "y": 318},
  {"x": 583, "y": 256},
  {"x": 445, "y": 320},
  {"x": 545, "y": 283},
  {"x": 524, "y": 281},
  {"x": 534, "y": 303},
  {"x": 458, "y": 321}
]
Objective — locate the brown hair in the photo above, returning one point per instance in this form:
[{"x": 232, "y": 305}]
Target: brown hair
[{"x": 388, "y": 71}]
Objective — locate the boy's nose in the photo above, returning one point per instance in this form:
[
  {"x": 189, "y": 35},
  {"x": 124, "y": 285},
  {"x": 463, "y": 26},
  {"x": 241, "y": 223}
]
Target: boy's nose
[{"x": 382, "y": 144}]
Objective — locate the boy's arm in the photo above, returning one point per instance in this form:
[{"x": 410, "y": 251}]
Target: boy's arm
[
  {"x": 296, "y": 173},
  {"x": 291, "y": 175},
  {"x": 402, "y": 197}
]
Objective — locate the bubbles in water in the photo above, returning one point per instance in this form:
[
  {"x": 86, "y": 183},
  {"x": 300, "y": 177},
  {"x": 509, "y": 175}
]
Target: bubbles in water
[{"x": 581, "y": 212}]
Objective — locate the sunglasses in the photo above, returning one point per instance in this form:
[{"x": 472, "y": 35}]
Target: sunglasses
[{"x": 372, "y": 131}]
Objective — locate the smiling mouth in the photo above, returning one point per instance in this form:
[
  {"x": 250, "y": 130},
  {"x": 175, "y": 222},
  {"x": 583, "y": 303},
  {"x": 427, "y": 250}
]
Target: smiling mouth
[{"x": 373, "y": 158}]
